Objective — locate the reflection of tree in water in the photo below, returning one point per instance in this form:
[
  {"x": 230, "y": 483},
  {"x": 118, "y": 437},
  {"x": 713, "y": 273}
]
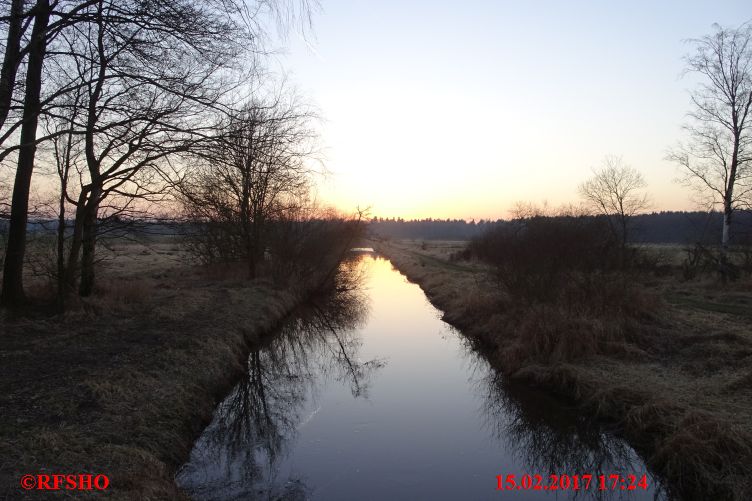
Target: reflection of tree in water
[
  {"x": 549, "y": 437},
  {"x": 238, "y": 454}
]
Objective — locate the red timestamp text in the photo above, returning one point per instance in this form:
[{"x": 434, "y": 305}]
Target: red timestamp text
[{"x": 553, "y": 482}]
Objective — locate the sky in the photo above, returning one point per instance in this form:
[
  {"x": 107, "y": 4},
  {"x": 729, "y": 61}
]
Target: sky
[{"x": 461, "y": 109}]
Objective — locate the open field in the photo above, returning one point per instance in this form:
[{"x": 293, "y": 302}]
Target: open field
[
  {"x": 679, "y": 386},
  {"x": 123, "y": 383}
]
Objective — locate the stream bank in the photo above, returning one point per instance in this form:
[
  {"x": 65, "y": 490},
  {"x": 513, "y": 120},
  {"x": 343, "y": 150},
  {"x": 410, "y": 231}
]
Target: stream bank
[
  {"x": 674, "y": 401},
  {"x": 123, "y": 384},
  {"x": 366, "y": 393}
]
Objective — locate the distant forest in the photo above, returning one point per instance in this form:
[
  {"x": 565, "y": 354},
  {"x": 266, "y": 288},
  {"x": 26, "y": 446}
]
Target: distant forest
[{"x": 658, "y": 227}]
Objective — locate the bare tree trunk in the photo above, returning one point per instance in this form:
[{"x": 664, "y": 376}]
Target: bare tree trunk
[
  {"x": 89, "y": 235},
  {"x": 13, "y": 291},
  {"x": 728, "y": 201},
  {"x": 74, "y": 254},
  {"x": 725, "y": 235},
  {"x": 12, "y": 58},
  {"x": 61, "y": 284},
  {"x": 89, "y": 242}
]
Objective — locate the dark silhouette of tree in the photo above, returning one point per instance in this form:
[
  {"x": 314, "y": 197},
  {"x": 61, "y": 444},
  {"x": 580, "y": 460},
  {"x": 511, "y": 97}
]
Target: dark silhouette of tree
[
  {"x": 12, "y": 57},
  {"x": 140, "y": 107},
  {"x": 151, "y": 77},
  {"x": 12, "y": 292},
  {"x": 258, "y": 170},
  {"x": 616, "y": 191},
  {"x": 716, "y": 157}
]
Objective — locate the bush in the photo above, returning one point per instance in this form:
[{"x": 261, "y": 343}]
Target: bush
[
  {"x": 534, "y": 258},
  {"x": 568, "y": 290},
  {"x": 304, "y": 248}
]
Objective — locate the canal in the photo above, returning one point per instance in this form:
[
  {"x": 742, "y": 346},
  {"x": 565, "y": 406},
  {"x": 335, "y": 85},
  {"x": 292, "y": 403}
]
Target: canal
[{"x": 367, "y": 394}]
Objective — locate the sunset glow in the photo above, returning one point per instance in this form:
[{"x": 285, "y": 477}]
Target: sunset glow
[{"x": 461, "y": 110}]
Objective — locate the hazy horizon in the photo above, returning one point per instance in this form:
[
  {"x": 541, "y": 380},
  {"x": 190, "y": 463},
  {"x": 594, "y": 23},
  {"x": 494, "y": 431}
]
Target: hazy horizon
[{"x": 432, "y": 111}]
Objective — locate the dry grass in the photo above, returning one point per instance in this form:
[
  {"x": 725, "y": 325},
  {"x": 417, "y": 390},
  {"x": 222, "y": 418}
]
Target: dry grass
[
  {"x": 670, "y": 365},
  {"x": 124, "y": 382}
]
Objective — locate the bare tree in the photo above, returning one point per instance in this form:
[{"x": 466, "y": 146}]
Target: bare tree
[
  {"x": 139, "y": 107},
  {"x": 716, "y": 157},
  {"x": 258, "y": 171},
  {"x": 12, "y": 57},
  {"x": 64, "y": 153},
  {"x": 616, "y": 192},
  {"x": 12, "y": 292},
  {"x": 148, "y": 70}
]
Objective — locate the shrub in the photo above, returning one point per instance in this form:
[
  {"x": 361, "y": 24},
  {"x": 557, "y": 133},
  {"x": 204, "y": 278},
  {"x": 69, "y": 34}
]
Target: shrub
[
  {"x": 535, "y": 257},
  {"x": 568, "y": 290}
]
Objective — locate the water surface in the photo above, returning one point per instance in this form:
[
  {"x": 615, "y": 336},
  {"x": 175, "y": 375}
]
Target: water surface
[{"x": 367, "y": 394}]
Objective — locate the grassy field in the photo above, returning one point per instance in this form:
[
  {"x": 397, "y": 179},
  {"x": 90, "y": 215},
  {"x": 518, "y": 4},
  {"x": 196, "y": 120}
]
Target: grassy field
[
  {"x": 679, "y": 387},
  {"x": 123, "y": 383}
]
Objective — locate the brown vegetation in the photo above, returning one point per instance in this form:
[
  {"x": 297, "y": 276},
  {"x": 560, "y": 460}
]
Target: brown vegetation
[
  {"x": 124, "y": 381},
  {"x": 663, "y": 358}
]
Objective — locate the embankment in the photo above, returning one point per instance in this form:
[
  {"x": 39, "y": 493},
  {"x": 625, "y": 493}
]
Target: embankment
[
  {"x": 678, "y": 388},
  {"x": 123, "y": 384}
]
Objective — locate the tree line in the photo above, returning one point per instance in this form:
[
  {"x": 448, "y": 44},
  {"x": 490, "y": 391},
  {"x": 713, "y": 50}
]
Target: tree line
[{"x": 664, "y": 227}]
